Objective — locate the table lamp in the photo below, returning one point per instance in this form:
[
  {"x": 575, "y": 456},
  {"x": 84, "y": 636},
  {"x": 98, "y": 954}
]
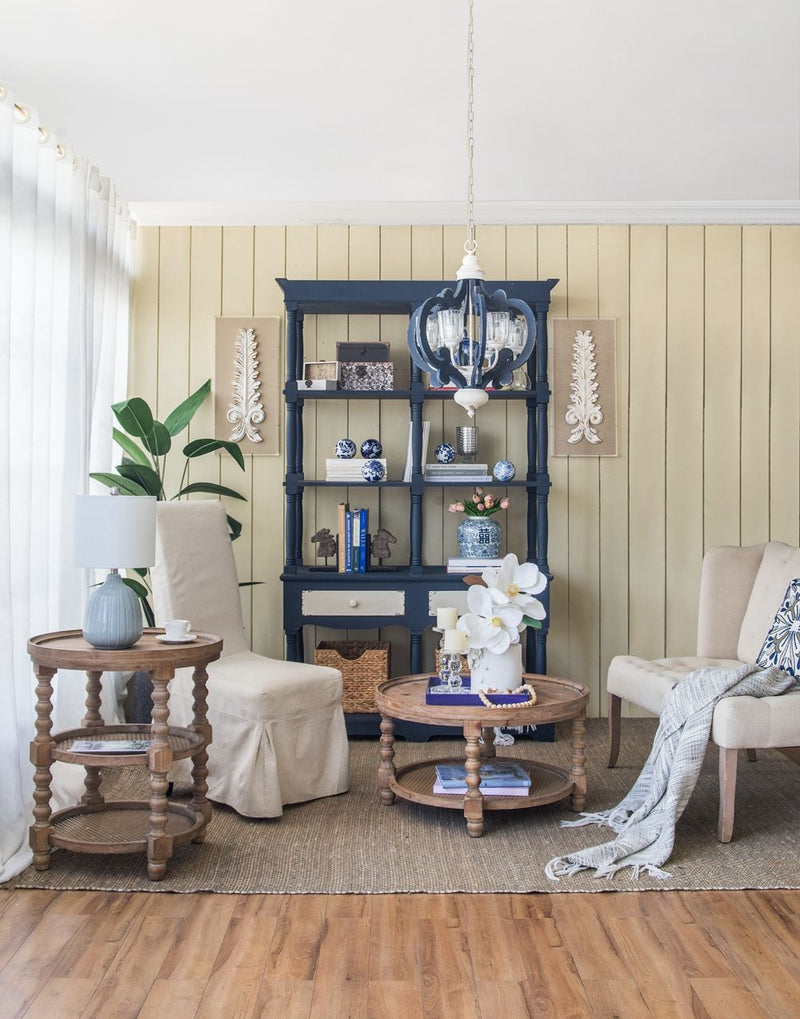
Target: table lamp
[{"x": 112, "y": 532}]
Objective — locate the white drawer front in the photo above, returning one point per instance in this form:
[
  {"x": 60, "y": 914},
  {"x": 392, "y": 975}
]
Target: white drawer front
[
  {"x": 324, "y": 602},
  {"x": 447, "y": 599}
]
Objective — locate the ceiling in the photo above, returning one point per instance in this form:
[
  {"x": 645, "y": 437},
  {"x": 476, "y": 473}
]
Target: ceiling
[{"x": 335, "y": 107}]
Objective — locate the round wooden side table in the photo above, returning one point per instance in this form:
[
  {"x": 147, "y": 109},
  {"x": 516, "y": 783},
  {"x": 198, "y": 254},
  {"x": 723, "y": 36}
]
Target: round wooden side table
[
  {"x": 557, "y": 700},
  {"x": 94, "y": 825}
]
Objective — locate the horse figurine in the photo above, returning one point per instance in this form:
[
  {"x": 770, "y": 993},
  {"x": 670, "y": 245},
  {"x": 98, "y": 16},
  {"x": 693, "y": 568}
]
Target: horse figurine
[
  {"x": 381, "y": 540},
  {"x": 325, "y": 542}
]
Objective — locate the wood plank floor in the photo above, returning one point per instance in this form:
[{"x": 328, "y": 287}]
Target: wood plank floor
[{"x": 733, "y": 955}]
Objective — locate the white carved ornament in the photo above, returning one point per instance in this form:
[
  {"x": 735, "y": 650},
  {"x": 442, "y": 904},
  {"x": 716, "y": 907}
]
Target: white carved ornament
[
  {"x": 584, "y": 411},
  {"x": 246, "y": 411}
]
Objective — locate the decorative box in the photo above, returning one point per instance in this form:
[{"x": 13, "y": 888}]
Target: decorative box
[
  {"x": 363, "y": 351},
  {"x": 320, "y": 375},
  {"x": 366, "y": 375},
  {"x": 363, "y": 665}
]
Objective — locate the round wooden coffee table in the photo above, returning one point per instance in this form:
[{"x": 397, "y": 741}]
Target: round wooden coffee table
[{"x": 557, "y": 700}]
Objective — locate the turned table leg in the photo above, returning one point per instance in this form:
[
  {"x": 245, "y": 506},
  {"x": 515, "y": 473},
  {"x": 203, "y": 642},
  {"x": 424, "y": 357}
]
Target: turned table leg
[
  {"x": 200, "y": 724},
  {"x": 578, "y": 763},
  {"x": 41, "y": 758},
  {"x": 473, "y": 800},
  {"x": 92, "y": 720},
  {"x": 386, "y": 769},
  {"x": 159, "y": 762}
]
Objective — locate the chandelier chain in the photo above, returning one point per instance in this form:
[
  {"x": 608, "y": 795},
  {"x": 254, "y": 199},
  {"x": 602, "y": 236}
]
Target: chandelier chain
[{"x": 470, "y": 245}]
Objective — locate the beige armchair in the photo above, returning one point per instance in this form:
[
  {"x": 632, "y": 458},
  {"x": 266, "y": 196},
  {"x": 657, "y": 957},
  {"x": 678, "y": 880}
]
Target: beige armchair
[
  {"x": 278, "y": 728},
  {"x": 741, "y": 589}
]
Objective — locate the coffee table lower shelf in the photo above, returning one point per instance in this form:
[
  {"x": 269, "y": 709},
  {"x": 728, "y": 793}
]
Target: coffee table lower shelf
[{"x": 415, "y": 782}]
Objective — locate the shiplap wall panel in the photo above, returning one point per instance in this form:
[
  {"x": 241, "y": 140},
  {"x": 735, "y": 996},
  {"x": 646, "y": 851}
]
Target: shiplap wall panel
[
  {"x": 613, "y": 294},
  {"x": 684, "y": 431},
  {"x": 584, "y": 490},
  {"x": 785, "y": 406},
  {"x": 647, "y": 440},
  {"x": 708, "y": 366},
  {"x": 756, "y": 243},
  {"x": 722, "y": 400}
]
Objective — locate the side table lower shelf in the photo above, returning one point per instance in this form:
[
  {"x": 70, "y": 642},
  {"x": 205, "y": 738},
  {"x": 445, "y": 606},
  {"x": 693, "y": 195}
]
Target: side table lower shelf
[{"x": 121, "y": 826}]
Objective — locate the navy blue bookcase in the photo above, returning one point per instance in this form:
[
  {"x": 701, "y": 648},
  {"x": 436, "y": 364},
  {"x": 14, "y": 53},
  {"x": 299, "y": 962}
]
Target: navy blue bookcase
[{"x": 402, "y": 592}]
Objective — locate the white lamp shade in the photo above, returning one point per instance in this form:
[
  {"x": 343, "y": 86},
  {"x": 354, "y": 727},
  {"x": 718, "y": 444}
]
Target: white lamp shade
[{"x": 114, "y": 531}]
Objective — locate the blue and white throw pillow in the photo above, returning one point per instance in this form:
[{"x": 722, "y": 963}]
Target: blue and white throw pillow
[{"x": 782, "y": 645}]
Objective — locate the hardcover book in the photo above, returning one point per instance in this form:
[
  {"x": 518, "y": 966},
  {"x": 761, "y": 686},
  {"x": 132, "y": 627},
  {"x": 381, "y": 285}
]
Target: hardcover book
[
  {"x": 501, "y": 790},
  {"x": 493, "y": 773}
]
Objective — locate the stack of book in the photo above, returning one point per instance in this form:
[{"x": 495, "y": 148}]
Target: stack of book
[
  {"x": 498, "y": 778},
  {"x": 353, "y": 539},
  {"x": 343, "y": 471},
  {"x": 472, "y": 474},
  {"x": 456, "y": 565}
]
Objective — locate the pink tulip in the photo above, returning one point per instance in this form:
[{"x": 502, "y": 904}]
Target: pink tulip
[
  {"x": 480, "y": 507},
  {"x": 504, "y": 504}
]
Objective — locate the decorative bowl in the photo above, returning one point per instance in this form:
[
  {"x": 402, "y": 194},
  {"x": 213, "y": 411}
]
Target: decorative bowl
[
  {"x": 504, "y": 470},
  {"x": 445, "y": 453},
  {"x": 373, "y": 471},
  {"x": 345, "y": 449},
  {"x": 371, "y": 448}
]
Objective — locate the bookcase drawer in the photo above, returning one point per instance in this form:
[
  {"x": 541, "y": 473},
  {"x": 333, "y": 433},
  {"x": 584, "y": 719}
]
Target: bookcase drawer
[
  {"x": 323, "y": 602},
  {"x": 443, "y": 599}
]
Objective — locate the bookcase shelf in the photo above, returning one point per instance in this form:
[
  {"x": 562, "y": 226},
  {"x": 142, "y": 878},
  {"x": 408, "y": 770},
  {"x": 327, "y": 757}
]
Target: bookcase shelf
[{"x": 418, "y": 585}]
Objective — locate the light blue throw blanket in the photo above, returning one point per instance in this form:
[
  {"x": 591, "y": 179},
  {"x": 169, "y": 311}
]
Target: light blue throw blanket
[{"x": 645, "y": 820}]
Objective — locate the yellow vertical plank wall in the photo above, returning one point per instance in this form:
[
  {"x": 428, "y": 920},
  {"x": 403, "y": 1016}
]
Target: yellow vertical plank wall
[{"x": 707, "y": 372}]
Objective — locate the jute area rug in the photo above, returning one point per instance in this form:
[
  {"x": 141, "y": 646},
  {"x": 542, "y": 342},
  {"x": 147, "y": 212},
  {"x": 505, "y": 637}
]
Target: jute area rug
[{"x": 352, "y": 843}]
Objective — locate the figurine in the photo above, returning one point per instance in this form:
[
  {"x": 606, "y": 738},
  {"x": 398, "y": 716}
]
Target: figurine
[
  {"x": 504, "y": 470},
  {"x": 371, "y": 449},
  {"x": 445, "y": 453},
  {"x": 325, "y": 542},
  {"x": 345, "y": 449},
  {"x": 373, "y": 471},
  {"x": 380, "y": 543}
]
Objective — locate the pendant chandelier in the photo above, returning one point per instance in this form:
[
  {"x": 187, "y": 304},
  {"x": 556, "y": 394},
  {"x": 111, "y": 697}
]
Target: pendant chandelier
[{"x": 470, "y": 337}]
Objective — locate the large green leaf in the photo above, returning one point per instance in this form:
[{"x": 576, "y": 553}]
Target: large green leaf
[
  {"x": 123, "y": 484},
  {"x": 127, "y": 445},
  {"x": 134, "y": 585},
  {"x": 234, "y": 526},
  {"x": 157, "y": 440},
  {"x": 199, "y": 447},
  {"x": 211, "y": 488},
  {"x": 184, "y": 412},
  {"x": 135, "y": 416},
  {"x": 146, "y": 477}
]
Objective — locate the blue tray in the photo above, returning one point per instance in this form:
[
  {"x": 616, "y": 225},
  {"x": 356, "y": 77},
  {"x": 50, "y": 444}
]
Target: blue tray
[{"x": 465, "y": 696}]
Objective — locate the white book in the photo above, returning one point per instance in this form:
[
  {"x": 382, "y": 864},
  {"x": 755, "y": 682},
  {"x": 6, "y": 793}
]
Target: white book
[
  {"x": 426, "y": 430},
  {"x": 497, "y": 790},
  {"x": 110, "y": 746}
]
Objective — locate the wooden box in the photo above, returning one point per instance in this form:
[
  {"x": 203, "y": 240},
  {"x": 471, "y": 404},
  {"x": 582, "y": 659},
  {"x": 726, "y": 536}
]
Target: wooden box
[
  {"x": 363, "y": 664},
  {"x": 320, "y": 375}
]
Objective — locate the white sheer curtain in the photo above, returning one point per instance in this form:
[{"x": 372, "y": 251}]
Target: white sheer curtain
[{"x": 66, "y": 250}]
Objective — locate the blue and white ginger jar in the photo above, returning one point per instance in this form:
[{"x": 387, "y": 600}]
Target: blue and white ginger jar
[
  {"x": 371, "y": 448},
  {"x": 445, "y": 453},
  {"x": 479, "y": 538},
  {"x": 345, "y": 449},
  {"x": 373, "y": 471},
  {"x": 504, "y": 470}
]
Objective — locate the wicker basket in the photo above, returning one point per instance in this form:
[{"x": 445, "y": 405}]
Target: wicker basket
[{"x": 363, "y": 664}]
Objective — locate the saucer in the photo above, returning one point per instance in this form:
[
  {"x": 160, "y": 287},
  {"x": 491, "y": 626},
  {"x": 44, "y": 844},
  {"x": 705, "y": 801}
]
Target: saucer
[{"x": 180, "y": 640}]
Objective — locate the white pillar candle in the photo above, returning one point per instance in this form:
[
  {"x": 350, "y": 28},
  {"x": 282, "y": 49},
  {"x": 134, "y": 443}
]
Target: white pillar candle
[
  {"x": 455, "y": 641},
  {"x": 447, "y": 618}
]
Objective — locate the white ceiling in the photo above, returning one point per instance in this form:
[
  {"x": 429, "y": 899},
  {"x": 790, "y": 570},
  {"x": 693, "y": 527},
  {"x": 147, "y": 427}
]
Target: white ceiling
[{"x": 334, "y": 106}]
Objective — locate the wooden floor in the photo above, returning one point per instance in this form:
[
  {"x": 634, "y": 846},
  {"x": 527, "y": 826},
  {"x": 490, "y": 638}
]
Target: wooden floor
[{"x": 728, "y": 954}]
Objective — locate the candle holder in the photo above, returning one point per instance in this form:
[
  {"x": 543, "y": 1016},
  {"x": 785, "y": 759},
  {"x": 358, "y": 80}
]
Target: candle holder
[{"x": 467, "y": 442}]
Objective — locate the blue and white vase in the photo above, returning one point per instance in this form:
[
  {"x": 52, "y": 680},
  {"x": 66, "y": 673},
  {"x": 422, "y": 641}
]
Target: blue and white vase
[
  {"x": 479, "y": 538},
  {"x": 373, "y": 471},
  {"x": 345, "y": 449},
  {"x": 371, "y": 448},
  {"x": 504, "y": 471},
  {"x": 445, "y": 453}
]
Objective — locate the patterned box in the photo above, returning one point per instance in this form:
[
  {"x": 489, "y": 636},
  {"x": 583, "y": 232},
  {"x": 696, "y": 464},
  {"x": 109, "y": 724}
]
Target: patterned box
[{"x": 366, "y": 375}]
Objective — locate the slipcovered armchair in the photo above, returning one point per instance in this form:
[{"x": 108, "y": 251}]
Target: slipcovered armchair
[
  {"x": 278, "y": 729},
  {"x": 741, "y": 589}
]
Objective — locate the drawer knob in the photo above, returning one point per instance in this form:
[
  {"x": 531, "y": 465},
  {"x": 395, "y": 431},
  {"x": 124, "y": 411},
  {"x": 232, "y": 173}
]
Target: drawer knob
[{"x": 353, "y": 603}]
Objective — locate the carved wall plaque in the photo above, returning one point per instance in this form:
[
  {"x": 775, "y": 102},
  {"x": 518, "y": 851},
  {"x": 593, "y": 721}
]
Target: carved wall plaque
[
  {"x": 584, "y": 400},
  {"x": 247, "y": 406}
]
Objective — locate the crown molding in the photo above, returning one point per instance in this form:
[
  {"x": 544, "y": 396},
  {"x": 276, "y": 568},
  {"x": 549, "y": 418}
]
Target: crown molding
[{"x": 449, "y": 213}]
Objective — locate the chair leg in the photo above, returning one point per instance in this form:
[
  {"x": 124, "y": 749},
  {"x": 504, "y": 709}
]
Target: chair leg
[
  {"x": 727, "y": 792},
  {"x": 752, "y": 755},
  {"x": 614, "y": 723}
]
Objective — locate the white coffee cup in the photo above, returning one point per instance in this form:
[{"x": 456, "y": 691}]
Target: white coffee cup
[{"x": 176, "y": 629}]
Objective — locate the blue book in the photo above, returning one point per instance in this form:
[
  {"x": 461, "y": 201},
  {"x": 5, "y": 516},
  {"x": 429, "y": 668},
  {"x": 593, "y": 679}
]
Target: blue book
[
  {"x": 495, "y": 773},
  {"x": 348, "y": 541},
  {"x": 356, "y": 529},
  {"x": 362, "y": 544}
]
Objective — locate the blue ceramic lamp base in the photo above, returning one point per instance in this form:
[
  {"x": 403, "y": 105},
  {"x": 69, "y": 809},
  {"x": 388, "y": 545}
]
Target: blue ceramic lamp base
[{"x": 113, "y": 617}]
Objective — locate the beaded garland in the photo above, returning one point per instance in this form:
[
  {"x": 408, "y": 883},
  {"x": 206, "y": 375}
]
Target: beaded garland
[{"x": 515, "y": 704}]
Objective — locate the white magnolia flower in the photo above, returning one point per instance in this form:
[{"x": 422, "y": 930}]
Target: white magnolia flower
[
  {"x": 516, "y": 583},
  {"x": 488, "y": 624}
]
